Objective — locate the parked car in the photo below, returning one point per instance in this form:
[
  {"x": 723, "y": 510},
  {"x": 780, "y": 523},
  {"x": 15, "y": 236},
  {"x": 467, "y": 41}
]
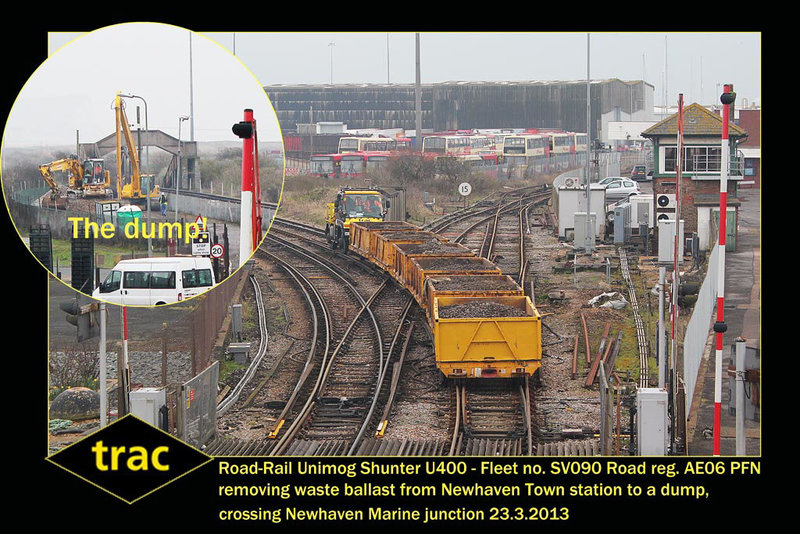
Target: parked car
[
  {"x": 609, "y": 179},
  {"x": 621, "y": 189},
  {"x": 639, "y": 172}
]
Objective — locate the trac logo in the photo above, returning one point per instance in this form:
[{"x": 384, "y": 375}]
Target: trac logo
[
  {"x": 134, "y": 458},
  {"x": 129, "y": 458}
]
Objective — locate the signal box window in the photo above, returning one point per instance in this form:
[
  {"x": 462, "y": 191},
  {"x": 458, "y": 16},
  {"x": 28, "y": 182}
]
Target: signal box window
[{"x": 197, "y": 278}]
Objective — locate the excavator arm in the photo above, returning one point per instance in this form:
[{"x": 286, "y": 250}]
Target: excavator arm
[
  {"x": 70, "y": 165},
  {"x": 133, "y": 189},
  {"x": 48, "y": 177}
]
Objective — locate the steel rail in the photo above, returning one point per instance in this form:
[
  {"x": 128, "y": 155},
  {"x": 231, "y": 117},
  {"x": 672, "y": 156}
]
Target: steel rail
[
  {"x": 301, "y": 281},
  {"x": 305, "y": 413},
  {"x": 641, "y": 334},
  {"x": 341, "y": 275},
  {"x": 230, "y": 399},
  {"x": 381, "y": 378}
]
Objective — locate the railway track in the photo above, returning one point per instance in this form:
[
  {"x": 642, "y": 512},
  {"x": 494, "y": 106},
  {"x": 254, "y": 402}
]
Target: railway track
[
  {"x": 255, "y": 362},
  {"x": 346, "y": 378},
  {"x": 349, "y": 409},
  {"x": 641, "y": 334},
  {"x": 347, "y": 383},
  {"x": 494, "y": 417}
]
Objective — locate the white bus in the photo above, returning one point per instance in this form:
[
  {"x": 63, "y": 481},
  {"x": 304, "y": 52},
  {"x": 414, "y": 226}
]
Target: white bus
[
  {"x": 155, "y": 281},
  {"x": 366, "y": 144}
]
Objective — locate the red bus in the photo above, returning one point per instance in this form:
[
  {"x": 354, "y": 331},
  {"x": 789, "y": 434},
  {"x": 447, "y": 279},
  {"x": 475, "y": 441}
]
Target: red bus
[
  {"x": 354, "y": 164},
  {"x": 326, "y": 165}
]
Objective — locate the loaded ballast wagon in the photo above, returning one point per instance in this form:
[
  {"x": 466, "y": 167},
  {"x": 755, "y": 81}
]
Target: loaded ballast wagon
[{"x": 482, "y": 322}]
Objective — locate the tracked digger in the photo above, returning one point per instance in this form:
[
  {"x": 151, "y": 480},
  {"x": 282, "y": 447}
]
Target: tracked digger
[{"x": 84, "y": 179}]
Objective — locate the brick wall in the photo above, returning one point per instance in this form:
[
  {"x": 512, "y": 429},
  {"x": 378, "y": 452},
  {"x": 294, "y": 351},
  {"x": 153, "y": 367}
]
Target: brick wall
[{"x": 690, "y": 190}]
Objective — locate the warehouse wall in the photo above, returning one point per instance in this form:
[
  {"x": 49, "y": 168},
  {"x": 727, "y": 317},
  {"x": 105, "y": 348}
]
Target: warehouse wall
[
  {"x": 357, "y": 106},
  {"x": 463, "y": 105}
]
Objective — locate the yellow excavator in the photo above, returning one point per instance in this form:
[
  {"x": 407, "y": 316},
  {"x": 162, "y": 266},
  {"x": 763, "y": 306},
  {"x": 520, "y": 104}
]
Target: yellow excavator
[
  {"x": 84, "y": 179},
  {"x": 129, "y": 183}
]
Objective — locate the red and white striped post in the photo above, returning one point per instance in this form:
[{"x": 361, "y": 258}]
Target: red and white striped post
[
  {"x": 124, "y": 373},
  {"x": 720, "y": 327},
  {"x": 250, "y": 210}
]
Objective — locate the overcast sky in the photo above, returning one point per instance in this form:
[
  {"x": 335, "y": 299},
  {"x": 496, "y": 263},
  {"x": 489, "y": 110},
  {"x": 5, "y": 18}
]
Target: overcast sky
[
  {"x": 75, "y": 87},
  {"x": 694, "y": 63}
]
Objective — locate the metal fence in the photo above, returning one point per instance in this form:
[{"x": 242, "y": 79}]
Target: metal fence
[
  {"x": 698, "y": 329},
  {"x": 207, "y": 318},
  {"x": 197, "y": 407},
  {"x": 196, "y": 419}
]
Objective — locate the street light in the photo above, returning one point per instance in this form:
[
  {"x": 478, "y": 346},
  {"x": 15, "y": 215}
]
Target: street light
[
  {"x": 178, "y": 174},
  {"x": 331, "y": 45}
]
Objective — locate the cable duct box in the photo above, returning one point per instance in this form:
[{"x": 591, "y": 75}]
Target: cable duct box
[
  {"x": 652, "y": 422},
  {"x": 580, "y": 229},
  {"x": 146, "y": 404},
  {"x": 666, "y": 241},
  {"x": 240, "y": 352}
]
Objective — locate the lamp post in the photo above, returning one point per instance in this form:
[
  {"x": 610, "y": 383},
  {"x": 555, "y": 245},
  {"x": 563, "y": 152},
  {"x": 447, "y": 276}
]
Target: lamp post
[
  {"x": 331, "y": 45},
  {"x": 178, "y": 173}
]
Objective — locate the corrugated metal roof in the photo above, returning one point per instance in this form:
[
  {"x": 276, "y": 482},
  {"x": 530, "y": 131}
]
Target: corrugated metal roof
[{"x": 697, "y": 120}]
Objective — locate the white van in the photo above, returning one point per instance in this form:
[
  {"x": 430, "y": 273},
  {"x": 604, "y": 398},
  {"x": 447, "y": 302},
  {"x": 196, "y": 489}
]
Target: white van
[{"x": 154, "y": 281}]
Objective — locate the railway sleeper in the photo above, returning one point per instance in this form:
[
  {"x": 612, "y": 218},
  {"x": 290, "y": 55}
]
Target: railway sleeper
[{"x": 344, "y": 401}]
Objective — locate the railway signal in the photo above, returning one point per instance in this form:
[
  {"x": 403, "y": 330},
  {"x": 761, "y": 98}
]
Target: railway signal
[
  {"x": 250, "y": 213},
  {"x": 83, "y": 313}
]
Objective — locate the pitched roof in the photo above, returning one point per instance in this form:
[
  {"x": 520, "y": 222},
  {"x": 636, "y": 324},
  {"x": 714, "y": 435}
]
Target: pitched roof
[{"x": 697, "y": 120}]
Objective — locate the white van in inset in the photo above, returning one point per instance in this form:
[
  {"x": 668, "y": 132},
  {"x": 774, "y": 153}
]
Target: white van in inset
[{"x": 154, "y": 281}]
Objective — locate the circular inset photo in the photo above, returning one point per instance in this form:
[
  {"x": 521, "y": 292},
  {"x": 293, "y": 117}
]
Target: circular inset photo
[{"x": 142, "y": 164}]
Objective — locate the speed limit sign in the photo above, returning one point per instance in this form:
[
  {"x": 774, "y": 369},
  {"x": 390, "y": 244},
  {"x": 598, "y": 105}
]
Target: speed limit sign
[
  {"x": 465, "y": 189},
  {"x": 217, "y": 250}
]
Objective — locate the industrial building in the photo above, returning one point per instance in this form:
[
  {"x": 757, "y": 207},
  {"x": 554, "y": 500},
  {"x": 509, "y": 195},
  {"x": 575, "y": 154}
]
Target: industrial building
[{"x": 458, "y": 106}]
